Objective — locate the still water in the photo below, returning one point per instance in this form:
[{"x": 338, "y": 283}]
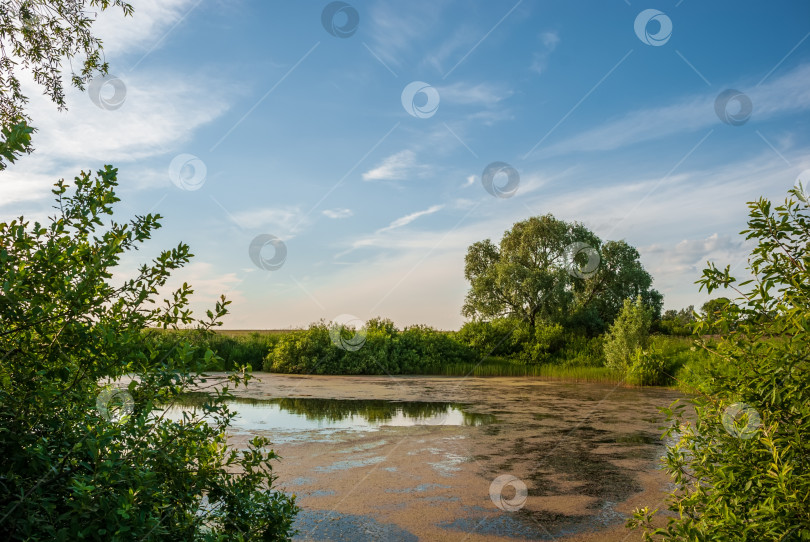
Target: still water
[{"x": 290, "y": 419}]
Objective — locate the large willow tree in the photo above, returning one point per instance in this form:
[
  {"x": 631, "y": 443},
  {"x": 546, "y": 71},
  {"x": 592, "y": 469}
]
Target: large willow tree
[{"x": 545, "y": 269}]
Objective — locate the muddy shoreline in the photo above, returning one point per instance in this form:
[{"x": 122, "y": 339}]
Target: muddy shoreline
[{"x": 587, "y": 453}]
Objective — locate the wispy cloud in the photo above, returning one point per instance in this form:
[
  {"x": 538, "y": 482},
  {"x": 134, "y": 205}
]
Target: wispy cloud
[
  {"x": 407, "y": 219},
  {"x": 396, "y": 30},
  {"x": 337, "y": 213},
  {"x": 549, "y": 42},
  {"x": 396, "y": 167},
  {"x": 486, "y": 94},
  {"x": 160, "y": 112},
  {"x": 789, "y": 93},
  {"x": 141, "y": 32},
  {"x": 287, "y": 221}
]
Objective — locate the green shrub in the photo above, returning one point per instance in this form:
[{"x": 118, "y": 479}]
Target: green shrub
[
  {"x": 379, "y": 349},
  {"x": 83, "y": 460},
  {"x": 628, "y": 334},
  {"x": 498, "y": 337},
  {"x": 741, "y": 463},
  {"x": 649, "y": 368}
]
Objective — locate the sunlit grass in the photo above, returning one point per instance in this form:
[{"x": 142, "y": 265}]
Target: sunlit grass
[{"x": 579, "y": 374}]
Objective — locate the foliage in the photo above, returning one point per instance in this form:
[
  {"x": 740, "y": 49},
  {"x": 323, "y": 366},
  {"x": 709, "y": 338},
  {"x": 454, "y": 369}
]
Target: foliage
[
  {"x": 629, "y": 334},
  {"x": 16, "y": 139},
  {"x": 712, "y": 316},
  {"x": 742, "y": 469},
  {"x": 619, "y": 276},
  {"x": 680, "y": 322},
  {"x": 532, "y": 275},
  {"x": 75, "y": 463},
  {"x": 650, "y": 368},
  {"x": 39, "y": 35},
  {"x": 496, "y": 337},
  {"x": 378, "y": 348}
]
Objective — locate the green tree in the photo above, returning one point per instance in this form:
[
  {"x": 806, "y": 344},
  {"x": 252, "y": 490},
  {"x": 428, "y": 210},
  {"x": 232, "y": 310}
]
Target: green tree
[
  {"x": 538, "y": 272},
  {"x": 39, "y": 36},
  {"x": 88, "y": 450},
  {"x": 619, "y": 276},
  {"x": 742, "y": 467},
  {"x": 526, "y": 277},
  {"x": 628, "y": 336},
  {"x": 677, "y": 322}
]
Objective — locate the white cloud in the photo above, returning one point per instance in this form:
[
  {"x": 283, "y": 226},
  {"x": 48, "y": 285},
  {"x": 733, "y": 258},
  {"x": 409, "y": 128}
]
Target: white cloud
[
  {"x": 485, "y": 94},
  {"x": 407, "y": 219},
  {"x": 469, "y": 182},
  {"x": 160, "y": 112},
  {"x": 144, "y": 30},
  {"x": 337, "y": 213},
  {"x": 396, "y": 167},
  {"x": 396, "y": 29},
  {"x": 550, "y": 40},
  {"x": 789, "y": 93},
  {"x": 286, "y": 220}
]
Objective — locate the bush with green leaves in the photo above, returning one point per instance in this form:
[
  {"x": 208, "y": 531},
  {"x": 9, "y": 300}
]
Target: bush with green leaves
[
  {"x": 649, "y": 368},
  {"x": 741, "y": 461},
  {"x": 495, "y": 337},
  {"x": 628, "y": 334},
  {"x": 377, "y": 348},
  {"x": 86, "y": 450}
]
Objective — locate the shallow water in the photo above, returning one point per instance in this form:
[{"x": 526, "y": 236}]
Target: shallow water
[
  {"x": 291, "y": 419},
  {"x": 413, "y": 458}
]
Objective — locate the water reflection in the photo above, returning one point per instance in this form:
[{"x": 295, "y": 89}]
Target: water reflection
[{"x": 307, "y": 414}]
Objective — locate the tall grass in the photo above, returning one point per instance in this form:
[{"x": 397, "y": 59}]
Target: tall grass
[{"x": 547, "y": 370}]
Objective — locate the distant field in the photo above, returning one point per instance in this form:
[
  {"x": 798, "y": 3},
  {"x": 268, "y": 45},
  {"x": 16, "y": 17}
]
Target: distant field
[{"x": 248, "y": 332}]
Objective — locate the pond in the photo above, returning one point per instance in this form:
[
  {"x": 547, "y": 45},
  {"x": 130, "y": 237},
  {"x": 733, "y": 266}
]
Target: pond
[
  {"x": 424, "y": 458},
  {"x": 290, "y": 419}
]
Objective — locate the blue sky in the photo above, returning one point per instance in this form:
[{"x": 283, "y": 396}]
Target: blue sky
[{"x": 243, "y": 119}]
